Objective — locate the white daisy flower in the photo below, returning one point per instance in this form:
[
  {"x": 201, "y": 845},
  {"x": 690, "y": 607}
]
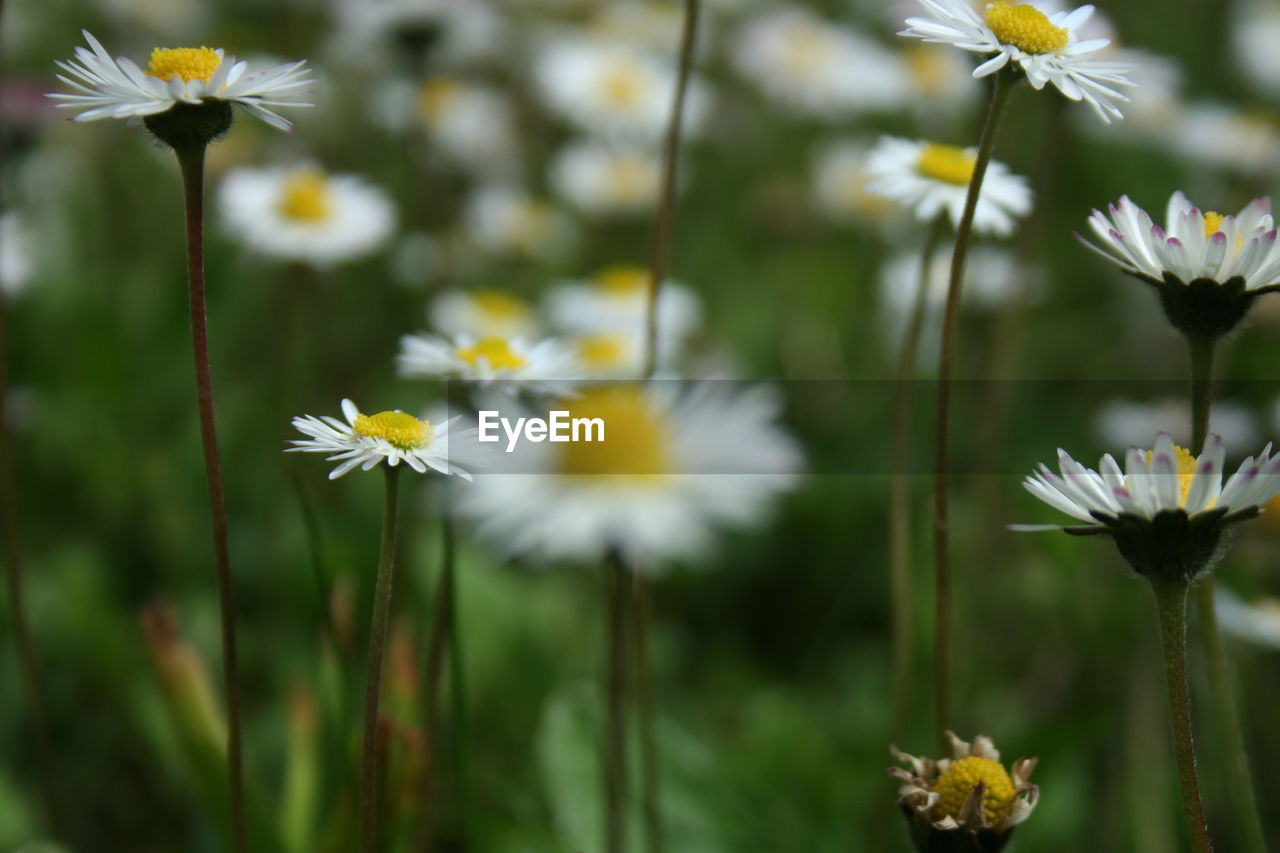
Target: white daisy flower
[
  {"x": 930, "y": 178},
  {"x": 602, "y": 180},
  {"x": 938, "y": 79},
  {"x": 612, "y": 354},
  {"x": 505, "y": 219},
  {"x": 839, "y": 184},
  {"x": 366, "y": 440},
  {"x": 503, "y": 364},
  {"x": 468, "y": 124},
  {"x": 303, "y": 214},
  {"x": 1046, "y": 49},
  {"x": 675, "y": 463},
  {"x": 814, "y": 67},
  {"x": 613, "y": 89},
  {"x": 1154, "y": 114},
  {"x": 1254, "y": 621},
  {"x": 118, "y": 88},
  {"x": 1223, "y": 136},
  {"x": 617, "y": 299},
  {"x": 485, "y": 312}
]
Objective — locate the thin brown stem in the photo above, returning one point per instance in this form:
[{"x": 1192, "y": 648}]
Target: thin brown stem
[
  {"x": 191, "y": 161},
  {"x": 377, "y": 644},
  {"x": 642, "y": 603},
  {"x": 615, "y": 705},
  {"x": 946, "y": 356}
]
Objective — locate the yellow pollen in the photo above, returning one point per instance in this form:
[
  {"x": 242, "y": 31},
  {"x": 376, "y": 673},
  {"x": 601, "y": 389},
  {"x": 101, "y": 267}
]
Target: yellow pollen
[
  {"x": 401, "y": 430},
  {"x": 434, "y": 97},
  {"x": 496, "y": 351},
  {"x": 634, "y": 445},
  {"x": 947, "y": 163},
  {"x": 499, "y": 305},
  {"x": 188, "y": 63},
  {"x": 962, "y": 776},
  {"x": 1185, "y": 465},
  {"x": 601, "y": 350},
  {"x": 1026, "y": 28},
  {"x": 622, "y": 280},
  {"x": 1212, "y": 223},
  {"x": 305, "y": 196},
  {"x": 622, "y": 84}
]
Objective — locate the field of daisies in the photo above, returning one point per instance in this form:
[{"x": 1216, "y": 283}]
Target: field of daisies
[{"x": 932, "y": 346}]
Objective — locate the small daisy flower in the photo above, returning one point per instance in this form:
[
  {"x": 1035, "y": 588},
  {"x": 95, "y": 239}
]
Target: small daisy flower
[
  {"x": 305, "y": 214},
  {"x": 675, "y": 464},
  {"x": 504, "y": 364},
  {"x": 468, "y": 125},
  {"x": 485, "y": 312},
  {"x": 366, "y": 440},
  {"x": 1165, "y": 509},
  {"x": 1222, "y": 136},
  {"x": 615, "y": 355},
  {"x": 605, "y": 181},
  {"x": 118, "y": 88},
  {"x": 1047, "y": 49},
  {"x": 617, "y": 299},
  {"x": 1208, "y": 268},
  {"x": 970, "y": 793},
  {"x": 505, "y": 219},
  {"x": 840, "y": 184},
  {"x": 930, "y": 178}
]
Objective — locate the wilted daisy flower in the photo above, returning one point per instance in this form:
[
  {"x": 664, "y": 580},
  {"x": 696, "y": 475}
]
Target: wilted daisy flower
[
  {"x": 305, "y": 214},
  {"x": 1045, "y": 48},
  {"x": 970, "y": 793},
  {"x": 485, "y": 312},
  {"x": 617, "y": 299},
  {"x": 1223, "y": 136},
  {"x": 604, "y": 180},
  {"x": 1255, "y": 621},
  {"x": 505, "y": 364},
  {"x": 505, "y": 219},
  {"x": 812, "y": 66},
  {"x": 15, "y": 254},
  {"x": 1166, "y": 509},
  {"x": 839, "y": 184},
  {"x": 366, "y": 440},
  {"x": 930, "y": 178},
  {"x": 118, "y": 88},
  {"x": 1208, "y": 268},
  {"x": 674, "y": 463},
  {"x": 613, "y": 89}
]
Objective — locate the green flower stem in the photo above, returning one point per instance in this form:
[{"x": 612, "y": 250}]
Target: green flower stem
[
  {"x": 1171, "y": 607},
  {"x": 377, "y": 644},
  {"x": 900, "y": 490},
  {"x": 1242, "y": 791},
  {"x": 191, "y": 161},
  {"x": 1003, "y": 88},
  {"x": 642, "y": 600},
  {"x": 457, "y": 677},
  {"x": 615, "y": 704},
  {"x": 437, "y": 646}
]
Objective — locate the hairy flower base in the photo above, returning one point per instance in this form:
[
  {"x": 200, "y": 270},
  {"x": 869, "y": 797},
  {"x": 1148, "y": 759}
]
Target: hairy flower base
[
  {"x": 1204, "y": 308},
  {"x": 190, "y": 125},
  {"x": 1172, "y": 544}
]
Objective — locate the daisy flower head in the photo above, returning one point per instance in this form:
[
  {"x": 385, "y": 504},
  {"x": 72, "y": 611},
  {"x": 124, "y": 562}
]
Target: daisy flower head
[
  {"x": 366, "y": 440},
  {"x": 305, "y": 214},
  {"x": 504, "y": 219},
  {"x": 839, "y": 184},
  {"x": 193, "y": 87},
  {"x": 1045, "y": 48},
  {"x": 471, "y": 126},
  {"x": 1166, "y": 509},
  {"x": 484, "y": 312},
  {"x": 970, "y": 793},
  {"x": 607, "y": 181},
  {"x": 1207, "y": 268},
  {"x": 503, "y": 364},
  {"x": 675, "y": 462},
  {"x": 930, "y": 179},
  {"x": 616, "y": 299}
]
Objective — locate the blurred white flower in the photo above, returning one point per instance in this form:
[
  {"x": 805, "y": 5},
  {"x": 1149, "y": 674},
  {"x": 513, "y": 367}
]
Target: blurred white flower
[
  {"x": 452, "y": 31},
  {"x": 304, "y": 214},
  {"x": 1124, "y": 423},
  {"x": 170, "y": 18},
  {"x": 1256, "y": 621},
  {"x": 1225, "y": 137},
  {"x": 468, "y": 124},
  {"x": 482, "y": 313},
  {"x": 366, "y": 440},
  {"x": 814, "y": 67},
  {"x": 15, "y": 254},
  {"x": 1156, "y": 102},
  {"x": 503, "y": 364},
  {"x": 611, "y": 89},
  {"x": 938, "y": 79},
  {"x": 616, "y": 299},
  {"x": 502, "y": 218},
  {"x": 931, "y": 179},
  {"x": 839, "y": 184},
  {"x": 1255, "y": 32},
  {"x": 604, "y": 180},
  {"x": 676, "y": 462}
]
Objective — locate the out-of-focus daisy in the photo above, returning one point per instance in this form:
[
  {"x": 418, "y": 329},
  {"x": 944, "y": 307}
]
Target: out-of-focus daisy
[
  {"x": 1256, "y": 621},
  {"x": 612, "y": 354},
  {"x": 1255, "y": 31},
  {"x": 617, "y": 299},
  {"x": 970, "y": 793},
  {"x": 505, "y": 219},
  {"x": 368, "y": 31},
  {"x": 809, "y": 65},
  {"x": 604, "y": 180},
  {"x": 613, "y": 89},
  {"x": 840, "y": 182},
  {"x": 930, "y": 178},
  {"x": 366, "y": 440},
  {"x": 481, "y": 313},
  {"x": 15, "y": 254},
  {"x": 504, "y": 364},
  {"x": 675, "y": 463},
  {"x": 469, "y": 124},
  {"x": 1121, "y": 423},
  {"x": 1154, "y": 111},
  {"x": 938, "y": 78},
  {"x": 118, "y": 88},
  {"x": 1165, "y": 509},
  {"x": 1045, "y": 48},
  {"x": 304, "y": 214},
  {"x": 1223, "y": 136}
]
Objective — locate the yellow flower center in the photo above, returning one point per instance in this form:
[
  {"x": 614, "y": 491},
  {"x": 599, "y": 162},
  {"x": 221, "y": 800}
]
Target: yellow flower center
[
  {"x": 305, "y": 196},
  {"x": 601, "y": 350},
  {"x": 623, "y": 280},
  {"x": 1185, "y": 466},
  {"x": 434, "y": 97},
  {"x": 962, "y": 776},
  {"x": 1026, "y": 28},
  {"x": 1213, "y": 224},
  {"x": 498, "y": 305},
  {"x": 496, "y": 351},
  {"x": 188, "y": 63},
  {"x": 635, "y": 442},
  {"x": 630, "y": 178},
  {"x": 397, "y": 428},
  {"x": 947, "y": 163},
  {"x": 622, "y": 84}
]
